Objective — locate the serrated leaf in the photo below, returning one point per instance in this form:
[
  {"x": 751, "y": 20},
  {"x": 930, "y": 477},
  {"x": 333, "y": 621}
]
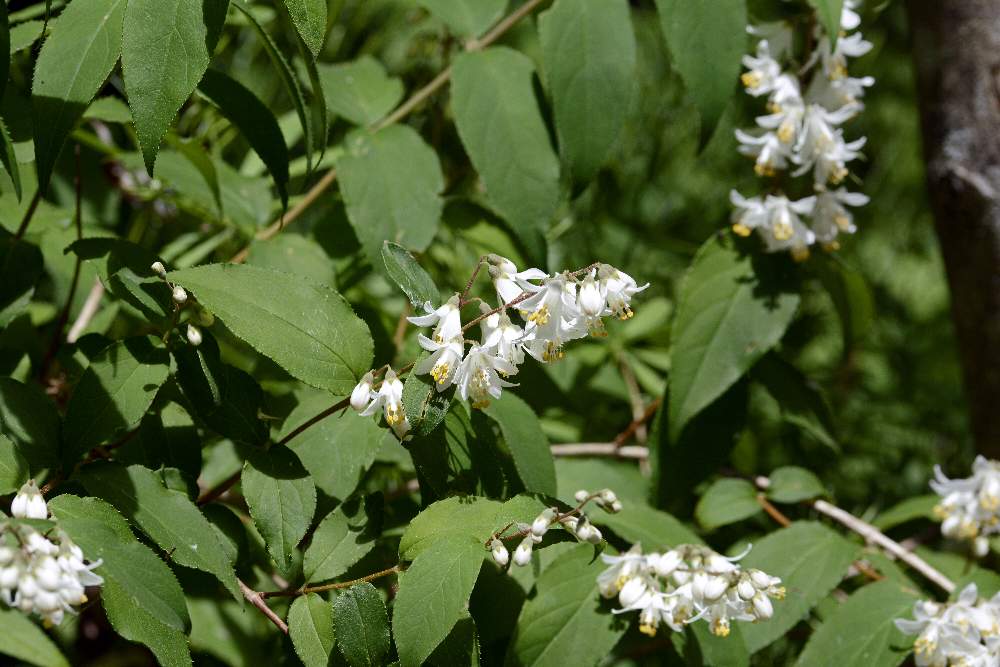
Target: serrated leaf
[
  {"x": 254, "y": 120},
  {"x": 654, "y": 529},
  {"x": 20, "y": 269},
  {"x": 339, "y": 449},
  {"x": 460, "y": 516},
  {"x": 528, "y": 445},
  {"x": 168, "y": 517},
  {"x": 790, "y": 484},
  {"x": 342, "y": 538},
  {"x": 732, "y": 309},
  {"x": 114, "y": 393},
  {"x": 306, "y": 328},
  {"x": 29, "y": 418},
  {"x": 8, "y": 159},
  {"x": 310, "y": 625},
  {"x": 726, "y": 501},
  {"x": 566, "y": 623},
  {"x": 424, "y": 405},
  {"x": 861, "y": 631},
  {"x": 829, "y": 12},
  {"x": 361, "y": 626},
  {"x": 502, "y": 130},
  {"x": 166, "y": 48},
  {"x": 140, "y": 593},
  {"x": 360, "y": 90},
  {"x": 404, "y": 270},
  {"x": 433, "y": 595},
  {"x": 309, "y": 18},
  {"x": 25, "y": 34},
  {"x": 23, "y": 640},
  {"x": 589, "y": 60},
  {"x": 811, "y": 560},
  {"x": 467, "y": 18},
  {"x": 706, "y": 40},
  {"x": 800, "y": 400},
  {"x": 110, "y": 110},
  {"x": 13, "y": 467},
  {"x": 392, "y": 183},
  {"x": 294, "y": 253},
  {"x": 282, "y": 500},
  {"x": 76, "y": 58},
  {"x": 919, "y": 507},
  {"x": 194, "y": 152}
]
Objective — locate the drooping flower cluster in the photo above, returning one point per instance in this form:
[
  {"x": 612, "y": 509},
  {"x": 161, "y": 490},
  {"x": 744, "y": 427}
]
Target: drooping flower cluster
[
  {"x": 970, "y": 508},
  {"x": 43, "y": 574},
  {"x": 554, "y": 309},
  {"x": 802, "y": 131},
  {"x": 686, "y": 584},
  {"x": 574, "y": 522},
  {"x": 964, "y": 632}
]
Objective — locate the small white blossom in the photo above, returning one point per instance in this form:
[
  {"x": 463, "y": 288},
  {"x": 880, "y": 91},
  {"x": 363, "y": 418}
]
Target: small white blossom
[
  {"x": 970, "y": 508},
  {"x": 508, "y": 281},
  {"x": 479, "y": 376},
  {"x": 500, "y": 554},
  {"x": 29, "y": 503},
  {"x": 778, "y": 221},
  {"x": 541, "y": 524},
  {"x": 179, "y": 295},
  {"x": 390, "y": 399},
  {"x": 830, "y": 215},
  {"x": 193, "y": 335},
  {"x": 503, "y": 337},
  {"x": 619, "y": 288},
  {"x": 964, "y": 632},
  {"x": 770, "y": 153},
  {"x": 447, "y": 317},
  {"x": 762, "y": 71},
  {"x": 159, "y": 269},
  {"x": 522, "y": 555},
  {"x": 362, "y": 395},
  {"x": 443, "y": 362}
]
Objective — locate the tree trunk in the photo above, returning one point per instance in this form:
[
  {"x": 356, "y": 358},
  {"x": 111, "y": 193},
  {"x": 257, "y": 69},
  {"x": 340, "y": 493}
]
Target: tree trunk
[{"x": 956, "y": 49}]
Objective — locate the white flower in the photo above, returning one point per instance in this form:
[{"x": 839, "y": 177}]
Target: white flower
[
  {"x": 508, "y": 281},
  {"x": 179, "y": 295},
  {"x": 849, "y": 18},
  {"x": 390, "y": 399},
  {"x": 522, "y": 555},
  {"x": 763, "y": 70},
  {"x": 553, "y": 318},
  {"x": 447, "y": 317},
  {"x": 503, "y": 337},
  {"x": 770, "y": 153},
  {"x": 830, "y": 215},
  {"x": 777, "y": 219},
  {"x": 362, "y": 395},
  {"x": 970, "y": 508},
  {"x": 836, "y": 93},
  {"x": 193, "y": 335},
  {"x": 500, "y": 554},
  {"x": 159, "y": 269},
  {"x": 478, "y": 377},
  {"x": 541, "y": 524},
  {"x": 623, "y": 568},
  {"x": 619, "y": 288},
  {"x": 963, "y": 632},
  {"x": 29, "y": 503},
  {"x": 834, "y": 59},
  {"x": 443, "y": 362},
  {"x": 785, "y": 118}
]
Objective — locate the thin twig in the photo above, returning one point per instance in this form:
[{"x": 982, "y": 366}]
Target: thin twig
[
  {"x": 635, "y": 398},
  {"x": 216, "y": 492},
  {"x": 773, "y": 511},
  {"x": 28, "y": 215},
  {"x": 601, "y": 449},
  {"x": 90, "y": 307},
  {"x": 468, "y": 286},
  {"x": 399, "y": 567},
  {"x": 256, "y": 599},
  {"x": 651, "y": 409},
  {"x": 333, "y": 409}
]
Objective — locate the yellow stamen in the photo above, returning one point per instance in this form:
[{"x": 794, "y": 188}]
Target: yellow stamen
[
  {"x": 540, "y": 316},
  {"x": 750, "y": 79},
  {"x": 440, "y": 373},
  {"x": 786, "y": 132},
  {"x": 763, "y": 169},
  {"x": 800, "y": 254},
  {"x": 720, "y": 628},
  {"x": 783, "y": 231},
  {"x": 648, "y": 630},
  {"x": 831, "y": 246},
  {"x": 741, "y": 230}
]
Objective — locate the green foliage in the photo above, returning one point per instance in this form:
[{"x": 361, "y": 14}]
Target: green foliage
[
  {"x": 341, "y": 539},
  {"x": 361, "y": 625},
  {"x": 791, "y": 485},
  {"x": 23, "y": 640},
  {"x": 360, "y": 90},
  {"x": 310, "y": 625},
  {"x": 13, "y": 467},
  {"x": 726, "y": 501},
  {"x": 418, "y": 287},
  {"x": 523, "y": 436},
  {"x": 468, "y": 18}
]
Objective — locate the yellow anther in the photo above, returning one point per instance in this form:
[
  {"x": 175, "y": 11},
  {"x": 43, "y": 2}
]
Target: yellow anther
[
  {"x": 741, "y": 230},
  {"x": 779, "y": 593},
  {"x": 800, "y": 254},
  {"x": 540, "y": 316},
  {"x": 648, "y": 630},
  {"x": 831, "y": 246},
  {"x": 786, "y": 132},
  {"x": 762, "y": 169},
  {"x": 783, "y": 231},
  {"x": 440, "y": 373},
  {"x": 720, "y": 628},
  {"x": 843, "y": 222},
  {"x": 750, "y": 79},
  {"x": 838, "y": 174}
]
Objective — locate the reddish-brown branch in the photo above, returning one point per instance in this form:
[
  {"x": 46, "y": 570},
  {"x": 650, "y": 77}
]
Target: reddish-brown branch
[{"x": 256, "y": 599}]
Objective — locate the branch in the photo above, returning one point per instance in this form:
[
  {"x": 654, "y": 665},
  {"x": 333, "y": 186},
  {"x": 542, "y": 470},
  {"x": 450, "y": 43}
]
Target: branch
[
  {"x": 398, "y": 567},
  {"x": 601, "y": 449},
  {"x": 88, "y": 311},
  {"x": 256, "y": 599}
]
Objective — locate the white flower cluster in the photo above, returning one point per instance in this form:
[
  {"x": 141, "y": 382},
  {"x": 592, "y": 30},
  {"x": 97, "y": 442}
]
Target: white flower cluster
[
  {"x": 575, "y": 523},
  {"x": 970, "y": 508},
  {"x": 555, "y": 309},
  {"x": 965, "y": 632},
  {"x": 802, "y": 131},
  {"x": 687, "y": 584},
  {"x": 41, "y": 574}
]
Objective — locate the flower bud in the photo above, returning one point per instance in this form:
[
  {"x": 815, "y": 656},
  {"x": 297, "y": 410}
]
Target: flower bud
[
  {"x": 193, "y": 335},
  {"x": 180, "y": 295},
  {"x": 570, "y": 523},
  {"x": 608, "y": 496},
  {"x": 541, "y": 524},
  {"x": 591, "y": 301},
  {"x": 29, "y": 504},
  {"x": 666, "y": 563},
  {"x": 760, "y": 579},
  {"x": 614, "y": 508},
  {"x": 745, "y": 589},
  {"x": 714, "y": 588},
  {"x": 762, "y": 606},
  {"x": 500, "y": 554},
  {"x": 362, "y": 394},
  {"x": 980, "y": 546},
  {"x": 522, "y": 555},
  {"x": 595, "y": 536},
  {"x": 159, "y": 269},
  {"x": 6, "y": 555},
  {"x": 632, "y": 591},
  {"x": 581, "y": 495}
]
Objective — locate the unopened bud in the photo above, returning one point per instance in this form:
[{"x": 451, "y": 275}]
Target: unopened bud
[
  {"x": 522, "y": 555},
  {"x": 608, "y": 496},
  {"x": 362, "y": 394},
  {"x": 762, "y": 606},
  {"x": 159, "y": 269},
  {"x": 193, "y": 335},
  {"x": 595, "y": 536},
  {"x": 581, "y": 495},
  {"x": 29, "y": 503},
  {"x": 500, "y": 554},
  {"x": 180, "y": 295},
  {"x": 980, "y": 546},
  {"x": 541, "y": 524}
]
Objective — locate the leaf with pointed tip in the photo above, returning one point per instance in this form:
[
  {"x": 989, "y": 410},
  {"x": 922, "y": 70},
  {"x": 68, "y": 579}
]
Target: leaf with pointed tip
[
  {"x": 522, "y": 432},
  {"x": 343, "y": 537},
  {"x": 726, "y": 501},
  {"x": 310, "y": 625},
  {"x": 166, "y": 48},
  {"x": 309, "y": 18},
  {"x": 361, "y": 625},
  {"x": 74, "y": 62},
  {"x": 29, "y": 418},
  {"x": 418, "y": 287},
  {"x": 21, "y": 266},
  {"x": 360, "y": 90},
  {"x": 13, "y": 467},
  {"x": 8, "y": 159}
]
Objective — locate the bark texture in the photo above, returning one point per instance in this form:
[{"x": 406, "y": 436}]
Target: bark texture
[{"x": 956, "y": 49}]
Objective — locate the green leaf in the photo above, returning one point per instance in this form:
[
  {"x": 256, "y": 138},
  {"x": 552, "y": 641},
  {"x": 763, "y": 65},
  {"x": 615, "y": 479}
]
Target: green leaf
[
  {"x": 5, "y": 51},
  {"x": 23, "y": 640},
  {"x": 650, "y": 527},
  {"x": 811, "y": 560},
  {"x": 306, "y": 328},
  {"x": 460, "y": 647},
  {"x": 310, "y": 625},
  {"x": 294, "y": 253},
  {"x": 29, "y": 418},
  {"x": 225, "y": 398},
  {"x": 467, "y": 18},
  {"x": 503, "y": 132},
  {"x": 168, "y": 517},
  {"x": 528, "y": 445},
  {"x": 790, "y": 484},
  {"x": 392, "y": 183},
  {"x": 729, "y": 651},
  {"x": 472, "y": 517},
  {"x": 829, "y": 12},
  {"x": 141, "y": 595},
  {"x": 424, "y": 405},
  {"x": 13, "y": 467},
  {"x": 361, "y": 626},
  {"x": 286, "y": 74},
  {"x": 852, "y": 297},
  {"x": 255, "y": 121},
  {"x": 342, "y": 538},
  {"x": 706, "y": 40},
  {"x": 360, "y": 90},
  {"x": 433, "y": 595},
  {"x": 726, "y": 501},
  {"x": 418, "y": 287},
  {"x": 20, "y": 269},
  {"x": 565, "y": 623},
  {"x": 114, "y": 393},
  {"x": 732, "y": 309},
  {"x": 25, "y": 34},
  {"x": 74, "y": 62},
  {"x": 589, "y": 59},
  {"x": 920, "y": 507},
  {"x": 309, "y": 18},
  {"x": 338, "y": 450},
  {"x": 800, "y": 400},
  {"x": 861, "y": 631},
  {"x": 110, "y": 110},
  {"x": 166, "y": 49},
  {"x": 198, "y": 157},
  {"x": 8, "y": 159},
  {"x": 282, "y": 500}
]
